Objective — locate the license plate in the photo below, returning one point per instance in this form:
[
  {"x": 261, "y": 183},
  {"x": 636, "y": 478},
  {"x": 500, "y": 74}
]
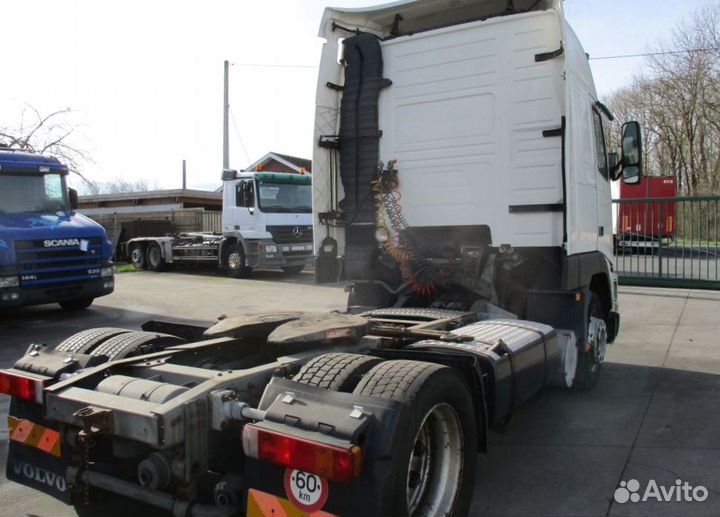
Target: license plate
[{"x": 261, "y": 504}]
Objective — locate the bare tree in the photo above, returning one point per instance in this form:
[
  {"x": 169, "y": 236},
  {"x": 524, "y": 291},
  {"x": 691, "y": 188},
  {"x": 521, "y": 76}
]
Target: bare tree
[
  {"x": 120, "y": 185},
  {"x": 47, "y": 134},
  {"x": 678, "y": 104}
]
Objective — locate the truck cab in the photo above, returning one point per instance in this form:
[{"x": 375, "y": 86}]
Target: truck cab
[
  {"x": 267, "y": 220},
  {"x": 48, "y": 252},
  {"x": 461, "y": 163}
]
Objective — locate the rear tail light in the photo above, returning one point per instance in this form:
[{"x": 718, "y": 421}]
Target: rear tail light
[
  {"x": 25, "y": 388},
  {"x": 328, "y": 461}
]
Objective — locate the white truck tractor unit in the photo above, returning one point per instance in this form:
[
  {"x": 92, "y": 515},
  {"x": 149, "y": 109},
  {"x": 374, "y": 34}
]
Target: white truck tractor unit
[
  {"x": 267, "y": 223},
  {"x": 461, "y": 182}
]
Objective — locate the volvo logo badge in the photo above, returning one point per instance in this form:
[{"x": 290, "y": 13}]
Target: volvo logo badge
[{"x": 297, "y": 233}]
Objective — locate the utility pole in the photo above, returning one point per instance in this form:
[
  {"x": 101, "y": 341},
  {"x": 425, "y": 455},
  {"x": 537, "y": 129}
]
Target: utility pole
[
  {"x": 226, "y": 109},
  {"x": 184, "y": 175}
]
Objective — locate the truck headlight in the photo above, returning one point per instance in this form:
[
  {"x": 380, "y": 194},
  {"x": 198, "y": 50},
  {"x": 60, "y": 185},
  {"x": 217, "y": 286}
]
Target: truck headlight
[
  {"x": 271, "y": 248},
  {"x": 107, "y": 271},
  {"x": 9, "y": 281}
]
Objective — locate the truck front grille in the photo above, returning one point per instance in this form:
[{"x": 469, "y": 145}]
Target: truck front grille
[
  {"x": 42, "y": 266},
  {"x": 291, "y": 234}
]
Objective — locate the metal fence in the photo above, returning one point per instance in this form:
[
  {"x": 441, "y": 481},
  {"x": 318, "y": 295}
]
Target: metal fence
[
  {"x": 669, "y": 242},
  {"x": 210, "y": 221}
]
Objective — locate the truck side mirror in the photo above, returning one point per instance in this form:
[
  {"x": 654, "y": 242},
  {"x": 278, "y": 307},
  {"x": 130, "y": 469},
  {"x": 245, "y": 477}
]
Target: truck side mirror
[
  {"x": 614, "y": 165},
  {"x": 229, "y": 174},
  {"x": 631, "y": 152},
  {"x": 73, "y": 196}
]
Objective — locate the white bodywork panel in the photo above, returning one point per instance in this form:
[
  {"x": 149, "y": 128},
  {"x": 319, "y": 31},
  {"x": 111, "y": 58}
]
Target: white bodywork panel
[{"x": 464, "y": 118}]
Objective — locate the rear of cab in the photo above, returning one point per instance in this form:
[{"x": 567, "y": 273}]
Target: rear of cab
[{"x": 490, "y": 115}]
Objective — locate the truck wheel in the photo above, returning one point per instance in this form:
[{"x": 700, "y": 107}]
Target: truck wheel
[
  {"x": 592, "y": 351},
  {"x": 134, "y": 343},
  {"x": 434, "y": 469},
  {"x": 293, "y": 270},
  {"x": 83, "y": 342},
  {"x": 337, "y": 371},
  {"x": 155, "y": 260},
  {"x": 137, "y": 256},
  {"x": 235, "y": 264},
  {"x": 76, "y": 305}
]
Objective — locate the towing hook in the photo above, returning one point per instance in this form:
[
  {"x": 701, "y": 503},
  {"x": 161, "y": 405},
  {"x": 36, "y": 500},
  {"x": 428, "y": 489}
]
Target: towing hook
[{"x": 95, "y": 421}]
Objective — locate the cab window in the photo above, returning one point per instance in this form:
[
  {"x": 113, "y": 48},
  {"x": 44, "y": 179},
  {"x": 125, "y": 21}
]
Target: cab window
[
  {"x": 245, "y": 194},
  {"x": 600, "y": 152}
]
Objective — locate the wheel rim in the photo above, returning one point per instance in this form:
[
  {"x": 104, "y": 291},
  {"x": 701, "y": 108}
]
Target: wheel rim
[
  {"x": 436, "y": 463},
  {"x": 136, "y": 256},
  {"x": 234, "y": 260},
  {"x": 570, "y": 363},
  {"x": 597, "y": 337}
]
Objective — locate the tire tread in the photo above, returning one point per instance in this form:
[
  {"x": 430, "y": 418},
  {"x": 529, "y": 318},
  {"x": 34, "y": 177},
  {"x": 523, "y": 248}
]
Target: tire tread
[
  {"x": 123, "y": 345},
  {"x": 335, "y": 371},
  {"x": 84, "y": 341}
]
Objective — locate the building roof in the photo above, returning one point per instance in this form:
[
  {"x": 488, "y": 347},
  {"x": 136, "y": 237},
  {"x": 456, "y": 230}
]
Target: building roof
[
  {"x": 294, "y": 162},
  {"x": 152, "y": 194}
]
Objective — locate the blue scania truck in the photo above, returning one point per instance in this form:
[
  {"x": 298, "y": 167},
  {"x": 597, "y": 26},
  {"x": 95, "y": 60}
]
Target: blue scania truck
[{"x": 48, "y": 252}]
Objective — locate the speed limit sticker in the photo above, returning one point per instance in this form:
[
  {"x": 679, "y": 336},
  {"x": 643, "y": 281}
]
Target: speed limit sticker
[{"x": 306, "y": 491}]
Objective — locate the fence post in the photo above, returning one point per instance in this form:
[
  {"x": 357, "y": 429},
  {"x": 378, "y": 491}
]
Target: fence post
[{"x": 661, "y": 226}]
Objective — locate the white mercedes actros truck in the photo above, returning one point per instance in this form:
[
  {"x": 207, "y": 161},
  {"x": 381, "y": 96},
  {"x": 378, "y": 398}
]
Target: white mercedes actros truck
[
  {"x": 461, "y": 182},
  {"x": 266, "y": 223}
]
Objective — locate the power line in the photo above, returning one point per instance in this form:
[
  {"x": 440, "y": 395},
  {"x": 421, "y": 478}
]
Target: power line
[
  {"x": 664, "y": 53},
  {"x": 237, "y": 132}
]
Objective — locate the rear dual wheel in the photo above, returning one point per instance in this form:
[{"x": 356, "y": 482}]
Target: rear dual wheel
[
  {"x": 433, "y": 470},
  {"x": 137, "y": 256},
  {"x": 116, "y": 343},
  {"x": 155, "y": 260}
]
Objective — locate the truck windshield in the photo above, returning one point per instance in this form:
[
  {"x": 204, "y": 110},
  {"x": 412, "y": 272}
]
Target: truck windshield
[
  {"x": 284, "y": 197},
  {"x": 32, "y": 193}
]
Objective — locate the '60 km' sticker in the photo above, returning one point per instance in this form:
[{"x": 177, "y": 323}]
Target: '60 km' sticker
[{"x": 306, "y": 491}]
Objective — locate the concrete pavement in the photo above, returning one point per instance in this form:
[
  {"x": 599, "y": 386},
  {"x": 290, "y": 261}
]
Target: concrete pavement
[{"x": 653, "y": 415}]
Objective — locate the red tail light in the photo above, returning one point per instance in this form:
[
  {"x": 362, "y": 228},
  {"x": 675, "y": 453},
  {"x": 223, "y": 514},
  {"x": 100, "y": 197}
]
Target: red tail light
[
  {"x": 25, "y": 388},
  {"x": 331, "y": 462}
]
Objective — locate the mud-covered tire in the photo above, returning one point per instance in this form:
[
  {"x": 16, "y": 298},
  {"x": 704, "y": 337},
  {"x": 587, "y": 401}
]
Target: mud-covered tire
[
  {"x": 154, "y": 258},
  {"x": 293, "y": 270},
  {"x": 76, "y": 305},
  {"x": 589, "y": 366},
  {"x": 235, "y": 262},
  {"x": 134, "y": 343},
  {"x": 336, "y": 371},
  {"x": 436, "y": 398},
  {"x": 137, "y": 256},
  {"x": 83, "y": 342}
]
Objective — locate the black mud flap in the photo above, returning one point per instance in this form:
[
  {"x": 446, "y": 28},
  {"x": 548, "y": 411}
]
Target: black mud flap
[
  {"x": 34, "y": 468},
  {"x": 29, "y": 465}
]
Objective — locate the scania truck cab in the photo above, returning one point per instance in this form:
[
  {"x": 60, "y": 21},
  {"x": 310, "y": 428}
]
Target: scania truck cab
[{"x": 48, "y": 251}]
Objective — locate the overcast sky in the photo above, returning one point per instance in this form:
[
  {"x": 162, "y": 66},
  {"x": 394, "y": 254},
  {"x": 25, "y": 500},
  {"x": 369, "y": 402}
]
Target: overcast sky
[{"x": 144, "y": 78}]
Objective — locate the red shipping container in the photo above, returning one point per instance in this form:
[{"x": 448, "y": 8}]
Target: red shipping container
[{"x": 652, "y": 220}]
